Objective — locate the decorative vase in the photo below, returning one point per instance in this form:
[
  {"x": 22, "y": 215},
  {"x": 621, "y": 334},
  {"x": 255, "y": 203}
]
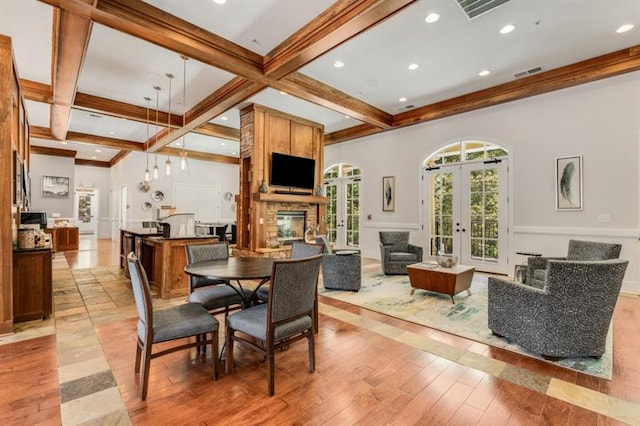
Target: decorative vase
[{"x": 263, "y": 187}]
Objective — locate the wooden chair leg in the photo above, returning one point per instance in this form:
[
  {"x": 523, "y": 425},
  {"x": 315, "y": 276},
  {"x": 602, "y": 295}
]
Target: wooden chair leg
[
  {"x": 271, "y": 372},
  {"x": 146, "y": 363},
  {"x": 229, "y": 361},
  {"x": 214, "y": 354},
  {"x": 138, "y": 356},
  {"x": 312, "y": 353}
]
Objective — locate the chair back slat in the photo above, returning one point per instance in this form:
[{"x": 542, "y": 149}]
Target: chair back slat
[
  {"x": 201, "y": 253},
  {"x": 141, "y": 293},
  {"x": 300, "y": 249},
  {"x": 293, "y": 287}
]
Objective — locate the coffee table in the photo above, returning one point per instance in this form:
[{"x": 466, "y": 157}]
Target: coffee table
[{"x": 433, "y": 277}]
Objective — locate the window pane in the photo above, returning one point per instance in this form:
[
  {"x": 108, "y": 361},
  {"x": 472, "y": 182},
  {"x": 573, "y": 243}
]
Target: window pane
[
  {"x": 447, "y": 225},
  {"x": 476, "y": 227},
  {"x": 491, "y": 229},
  {"x": 476, "y": 205},
  {"x": 491, "y": 180},
  {"x": 476, "y": 248},
  {"x": 491, "y": 205},
  {"x": 491, "y": 249},
  {"x": 476, "y": 177}
]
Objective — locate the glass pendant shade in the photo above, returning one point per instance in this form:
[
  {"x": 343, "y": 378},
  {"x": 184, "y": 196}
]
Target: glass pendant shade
[{"x": 167, "y": 167}]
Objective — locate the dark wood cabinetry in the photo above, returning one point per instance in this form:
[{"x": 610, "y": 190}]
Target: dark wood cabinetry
[
  {"x": 63, "y": 239},
  {"x": 32, "y": 284}
]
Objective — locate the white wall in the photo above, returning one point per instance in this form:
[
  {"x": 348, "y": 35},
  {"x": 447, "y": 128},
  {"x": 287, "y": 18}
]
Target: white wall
[
  {"x": 599, "y": 120},
  {"x": 98, "y": 178},
  {"x": 130, "y": 172},
  {"x": 51, "y": 166}
]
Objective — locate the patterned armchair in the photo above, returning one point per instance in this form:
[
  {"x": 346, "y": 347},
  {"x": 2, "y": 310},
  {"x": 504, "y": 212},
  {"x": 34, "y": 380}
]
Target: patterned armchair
[
  {"x": 578, "y": 250},
  {"x": 396, "y": 252},
  {"x": 568, "y": 317}
]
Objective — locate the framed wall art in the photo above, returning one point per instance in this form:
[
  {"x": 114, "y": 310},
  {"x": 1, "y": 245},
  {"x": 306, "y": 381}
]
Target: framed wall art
[
  {"x": 569, "y": 183},
  {"x": 17, "y": 179},
  {"x": 388, "y": 193},
  {"x": 55, "y": 186}
]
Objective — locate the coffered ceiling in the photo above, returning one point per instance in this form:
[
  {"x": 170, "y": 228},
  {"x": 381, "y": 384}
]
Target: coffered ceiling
[{"x": 86, "y": 66}]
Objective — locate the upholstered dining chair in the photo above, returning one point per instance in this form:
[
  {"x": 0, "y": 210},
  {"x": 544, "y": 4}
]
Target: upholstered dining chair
[
  {"x": 568, "y": 317},
  {"x": 396, "y": 252},
  {"x": 215, "y": 295},
  {"x": 299, "y": 250},
  {"x": 177, "y": 322},
  {"x": 284, "y": 319},
  {"x": 578, "y": 250}
]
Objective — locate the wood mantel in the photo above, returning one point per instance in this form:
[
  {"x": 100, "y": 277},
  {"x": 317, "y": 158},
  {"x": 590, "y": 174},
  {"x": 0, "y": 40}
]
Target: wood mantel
[{"x": 289, "y": 198}]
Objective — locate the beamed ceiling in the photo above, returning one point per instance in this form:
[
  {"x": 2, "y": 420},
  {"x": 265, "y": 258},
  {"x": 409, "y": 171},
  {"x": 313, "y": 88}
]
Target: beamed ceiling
[{"x": 86, "y": 66}]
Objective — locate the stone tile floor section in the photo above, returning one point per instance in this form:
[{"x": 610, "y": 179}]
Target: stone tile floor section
[{"x": 89, "y": 394}]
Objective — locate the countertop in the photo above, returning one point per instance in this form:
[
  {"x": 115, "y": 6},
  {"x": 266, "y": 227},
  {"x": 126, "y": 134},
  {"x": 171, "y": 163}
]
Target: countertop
[{"x": 142, "y": 231}]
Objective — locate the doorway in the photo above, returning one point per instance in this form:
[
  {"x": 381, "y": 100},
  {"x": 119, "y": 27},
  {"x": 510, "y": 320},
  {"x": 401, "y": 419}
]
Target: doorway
[
  {"x": 342, "y": 183},
  {"x": 466, "y": 204},
  {"x": 86, "y": 210}
]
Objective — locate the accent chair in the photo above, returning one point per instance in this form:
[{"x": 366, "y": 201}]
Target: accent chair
[
  {"x": 568, "y": 317},
  {"x": 396, "y": 252},
  {"x": 578, "y": 250},
  {"x": 341, "y": 269}
]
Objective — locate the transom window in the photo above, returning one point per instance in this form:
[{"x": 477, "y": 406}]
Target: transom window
[{"x": 462, "y": 151}]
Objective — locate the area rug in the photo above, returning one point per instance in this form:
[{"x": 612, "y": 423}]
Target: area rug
[{"x": 390, "y": 295}]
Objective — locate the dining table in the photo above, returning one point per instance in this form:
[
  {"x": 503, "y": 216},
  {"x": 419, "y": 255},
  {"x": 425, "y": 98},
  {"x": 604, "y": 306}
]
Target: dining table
[{"x": 233, "y": 271}]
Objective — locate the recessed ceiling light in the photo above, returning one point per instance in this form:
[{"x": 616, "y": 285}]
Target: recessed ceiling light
[
  {"x": 507, "y": 29},
  {"x": 93, "y": 157},
  {"x": 283, "y": 92},
  {"x": 346, "y": 116},
  {"x": 64, "y": 142},
  {"x": 112, "y": 132},
  {"x": 624, "y": 28},
  {"x": 220, "y": 1},
  {"x": 224, "y": 118},
  {"x": 431, "y": 18},
  {"x": 98, "y": 150},
  {"x": 338, "y": 64},
  {"x": 179, "y": 143},
  {"x": 234, "y": 153},
  {"x": 413, "y": 67},
  {"x": 402, "y": 99},
  {"x": 484, "y": 73},
  {"x": 222, "y": 144}
]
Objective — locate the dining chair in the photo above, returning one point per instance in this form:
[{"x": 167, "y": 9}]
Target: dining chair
[
  {"x": 215, "y": 295},
  {"x": 177, "y": 322},
  {"x": 288, "y": 316}
]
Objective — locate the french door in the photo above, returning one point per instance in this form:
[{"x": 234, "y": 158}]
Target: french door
[
  {"x": 86, "y": 208},
  {"x": 343, "y": 211},
  {"x": 467, "y": 213}
]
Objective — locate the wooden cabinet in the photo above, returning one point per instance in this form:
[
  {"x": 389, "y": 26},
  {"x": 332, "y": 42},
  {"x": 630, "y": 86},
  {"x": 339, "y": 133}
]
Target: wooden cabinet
[
  {"x": 63, "y": 239},
  {"x": 32, "y": 284}
]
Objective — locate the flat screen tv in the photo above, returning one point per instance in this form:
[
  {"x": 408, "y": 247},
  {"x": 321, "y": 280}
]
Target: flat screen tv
[
  {"x": 34, "y": 218},
  {"x": 292, "y": 171}
]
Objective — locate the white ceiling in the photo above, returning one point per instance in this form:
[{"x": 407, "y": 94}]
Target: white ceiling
[{"x": 449, "y": 52}]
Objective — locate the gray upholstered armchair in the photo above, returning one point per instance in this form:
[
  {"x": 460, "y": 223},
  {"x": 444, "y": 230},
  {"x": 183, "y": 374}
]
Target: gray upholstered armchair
[
  {"x": 396, "y": 252},
  {"x": 578, "y": 250},
  {"x": 568, "y": 317},
  {"x": 341, "y": 269}
]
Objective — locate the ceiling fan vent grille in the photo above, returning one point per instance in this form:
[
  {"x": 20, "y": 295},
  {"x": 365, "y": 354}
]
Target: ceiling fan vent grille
[
  {"x": 475, "y": 8},
  {"x": 525, "y": 73}
]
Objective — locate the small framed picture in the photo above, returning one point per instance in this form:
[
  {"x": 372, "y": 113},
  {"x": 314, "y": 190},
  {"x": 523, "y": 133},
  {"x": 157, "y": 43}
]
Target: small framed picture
[
  {"x": 388, "y": 193},
  {"x": 55, "y": 186},
  {"x": 569, "y": 183}
]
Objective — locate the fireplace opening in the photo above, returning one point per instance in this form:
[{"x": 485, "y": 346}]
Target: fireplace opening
[{"x": 291, "y": 226}]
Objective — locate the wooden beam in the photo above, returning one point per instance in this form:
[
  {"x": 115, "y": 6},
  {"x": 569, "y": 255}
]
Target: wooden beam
[
  {"x": 44, "y": 150},
  {"x": 609, "y": 65},
  {"x": 124, "y": 110},
  {"x": 218, "y": 131},
  {"x": 605, "y": 66},
  {"x": 34, "y": 91},
  {"x": 104, "y": 141},
  {"x": 339, "y": 23},
  {"x": 229, "y": 95},
  {"x": 40, "y": 132},
  {"x": 118, "y": 157},
  {"x": 312, "y": 90},
  {"x": 72, "y": 39},
  {"x": 92, "y": 163},
  {"x": 197, "y": 155}
]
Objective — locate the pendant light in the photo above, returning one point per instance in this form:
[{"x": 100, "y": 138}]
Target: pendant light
[
  {"x": 184, "y": 167},
  {"x": 147, "y": 174},
  {"x": 155, "y": 166},
  {"x": 167, "y": 164}
]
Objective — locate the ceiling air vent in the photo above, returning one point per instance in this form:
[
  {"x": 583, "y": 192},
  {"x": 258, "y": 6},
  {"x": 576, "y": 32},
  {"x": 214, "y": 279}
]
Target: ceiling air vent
[
  {"x": 475, "y": 8},
  {"x": 410, "y": 107},
  {"x": 93, "y": 115},
  {"x": 525, "y": 73}
]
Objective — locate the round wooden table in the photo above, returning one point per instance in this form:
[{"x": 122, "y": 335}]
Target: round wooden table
[{"x": 234, "y": 269}]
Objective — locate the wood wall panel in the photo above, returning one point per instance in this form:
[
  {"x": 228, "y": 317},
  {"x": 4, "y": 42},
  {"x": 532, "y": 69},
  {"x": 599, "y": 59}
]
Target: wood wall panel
[{"x": 301, "y": 136}]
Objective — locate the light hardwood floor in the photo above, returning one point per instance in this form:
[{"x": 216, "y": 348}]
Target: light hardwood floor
[{"x": 370, "y": 370}]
